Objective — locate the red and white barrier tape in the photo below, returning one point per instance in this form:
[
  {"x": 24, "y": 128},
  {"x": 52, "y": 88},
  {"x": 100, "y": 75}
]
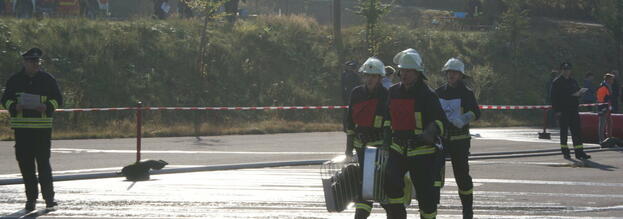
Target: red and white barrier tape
[{"x": 241, "y": 108}]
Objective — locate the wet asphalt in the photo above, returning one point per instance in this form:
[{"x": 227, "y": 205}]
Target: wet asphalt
[{"x": 507, "y": 185}]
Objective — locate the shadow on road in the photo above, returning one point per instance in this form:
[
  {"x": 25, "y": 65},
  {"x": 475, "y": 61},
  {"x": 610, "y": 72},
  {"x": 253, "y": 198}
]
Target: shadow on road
[
  {"x": 591, "y": 164},
  {"x": 27, "y": 214}
]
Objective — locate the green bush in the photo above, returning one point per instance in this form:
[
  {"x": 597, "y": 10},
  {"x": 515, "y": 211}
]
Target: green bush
[{"x": 270, "y": 60}]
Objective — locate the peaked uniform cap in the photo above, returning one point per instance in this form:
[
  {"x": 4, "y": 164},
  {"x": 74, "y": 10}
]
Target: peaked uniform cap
[{"x": 34, "y": 53}]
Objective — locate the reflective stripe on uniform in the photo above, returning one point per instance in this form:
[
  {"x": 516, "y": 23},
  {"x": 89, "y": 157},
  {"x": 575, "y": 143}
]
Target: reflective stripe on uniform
[
  {"x": 396, "y": 148},
  {"x": 359, "y": 144},
  {"x": 8, "y": 103},
  {"x": 350, "y": 132},
  {"x": 418, "y": 121},
  {"x": 31, "y": 122},
  {"x": 578, "y": 146},
  {"x": 387, "y": 123},
  {"x": 466, "y": 192},
  {"x": 421, "y": 151},
  {"x": 437, "y": 184},
  {"x": 564, "y": 146},
  {"x": 54, "y": 103},
  {"x": 378, "y": 121},
  {"x": 440, "y": 126},
  {"x": 363, "y": 206},
  {"x": 460, "y": 137},
  {"x": 398, "y": 200},
  {"x": 432, "y": 215},
  {"x": 418, "y": 131}
]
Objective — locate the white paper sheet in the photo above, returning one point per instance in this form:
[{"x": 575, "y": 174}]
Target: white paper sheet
[
  {"x": 29, "y": 101},
  {"x": 451, "y": 107}
]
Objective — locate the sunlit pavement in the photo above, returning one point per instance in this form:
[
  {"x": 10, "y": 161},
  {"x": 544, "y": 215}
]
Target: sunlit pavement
[{"x": 522, "y": 187}]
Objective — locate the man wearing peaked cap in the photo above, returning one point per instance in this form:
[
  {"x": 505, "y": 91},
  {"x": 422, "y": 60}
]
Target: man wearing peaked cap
[
  {"x": 34, "y": 53},
  {"x": 31, "y": 96},
  {"x": 565, "y": 94}
]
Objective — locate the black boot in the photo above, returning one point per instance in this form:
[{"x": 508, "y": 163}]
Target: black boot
[
  {"x": 579, "y": 154},
  {"x": 396, "y": 211},
  {"x": 467, "y": 201},
  {"x": 30, "y": 205},
  {"x": 361, "y": 214},
  {"x": 565, "y": 152},
  {"x": 50, "y": 204}
]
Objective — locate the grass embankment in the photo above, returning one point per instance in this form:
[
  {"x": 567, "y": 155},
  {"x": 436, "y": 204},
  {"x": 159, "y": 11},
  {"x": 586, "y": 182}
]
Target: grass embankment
[{"x": 270, "y": 61}]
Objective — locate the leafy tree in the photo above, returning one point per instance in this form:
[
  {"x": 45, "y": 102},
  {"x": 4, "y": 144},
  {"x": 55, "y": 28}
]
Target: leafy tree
[
  {"x": 513, "y": 28},
  {"x": 373, "y": 11},
  {"x": 610, "y": 13}
]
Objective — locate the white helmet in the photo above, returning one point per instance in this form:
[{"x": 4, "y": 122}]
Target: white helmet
[
  {"x": 454, "y": 64},
  {"x": 373, "y": 66},
  {"x": 397, "y": 56},
  {"x": 411, "y": 61}
]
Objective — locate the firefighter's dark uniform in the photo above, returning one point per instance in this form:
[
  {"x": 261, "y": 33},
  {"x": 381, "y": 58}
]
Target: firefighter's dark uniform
[
  {"x": 33, "y": 130},
  {"x": 457, "y": 142},
  {"x": 364, "y": 121},
  {"x": 566, "y": 104},
  {"x": 410, "y": 113}
]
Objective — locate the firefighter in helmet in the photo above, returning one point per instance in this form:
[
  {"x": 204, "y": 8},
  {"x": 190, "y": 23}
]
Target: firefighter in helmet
[
  {"x": 460, "y": 106},
  {"x": 365, "y": 119},
  {"x": 417, "y": 122}
]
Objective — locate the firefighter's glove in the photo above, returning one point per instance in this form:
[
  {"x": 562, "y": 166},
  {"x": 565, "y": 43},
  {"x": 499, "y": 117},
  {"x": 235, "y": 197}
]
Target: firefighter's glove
[
  {"x": 430, "y": 134},
  {"x": 458, "y": 122},
  {"x": 468, "y": 117}
]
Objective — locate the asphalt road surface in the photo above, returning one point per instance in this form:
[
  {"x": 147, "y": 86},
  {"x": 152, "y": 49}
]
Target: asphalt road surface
[{"x": 532, "y": 182}]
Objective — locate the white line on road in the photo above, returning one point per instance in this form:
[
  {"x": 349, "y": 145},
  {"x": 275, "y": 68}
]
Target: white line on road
[{"x": 80, "y": 150}]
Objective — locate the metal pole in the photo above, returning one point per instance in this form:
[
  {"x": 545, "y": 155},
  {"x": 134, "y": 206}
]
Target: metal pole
[
  {"x": 337, "y": 29},
  {"x": 138, "y": 130}
]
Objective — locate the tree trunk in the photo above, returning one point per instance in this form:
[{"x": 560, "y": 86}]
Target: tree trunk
[{"x": 337, "y": 30}]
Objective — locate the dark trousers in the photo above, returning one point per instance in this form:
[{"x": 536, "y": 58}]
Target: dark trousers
[
  {"x": 362, "y": 207},
  {"x": 570, "y": 120},
  {"x": 423, "y": 177},
  {"x": 32, "y": 149},
  {"x": 459, "y": 152}
]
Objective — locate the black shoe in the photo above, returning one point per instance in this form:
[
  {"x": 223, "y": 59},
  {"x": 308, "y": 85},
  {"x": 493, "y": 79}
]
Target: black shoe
[
  {"x": 30, "y": 205},
  {"x": 582, "y": 156},
  {"x": 50, "y": 204}
]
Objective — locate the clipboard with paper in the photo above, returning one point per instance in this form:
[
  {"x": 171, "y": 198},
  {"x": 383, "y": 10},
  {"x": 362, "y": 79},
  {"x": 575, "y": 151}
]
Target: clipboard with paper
[
  {"x": 451, "y": 107},
  {"x": 29, "y": 101}
]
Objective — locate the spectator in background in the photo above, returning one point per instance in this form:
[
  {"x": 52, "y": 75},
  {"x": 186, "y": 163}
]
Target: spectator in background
[
  {"x": 162, "y": 9},
  {"x": 350, "y": 79},
  {"x": 89, "y": 8},
  {"x": 184, "y": 10},
  {"x": 548, "y": 90},
  {"x": 46, "y": 8},
  {"x": 604, "y": 96},
  {"x": 589, "y": 96},
  {"x": 231, "y": 8},
  {"x": 387, "y": 80},
  {"x": 24, "y": 8},
  {"x": 616, "y": 91}
]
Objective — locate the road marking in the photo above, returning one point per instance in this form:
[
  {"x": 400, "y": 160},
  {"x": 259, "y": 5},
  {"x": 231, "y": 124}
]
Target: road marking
[{"x": 80, "y": 150}]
